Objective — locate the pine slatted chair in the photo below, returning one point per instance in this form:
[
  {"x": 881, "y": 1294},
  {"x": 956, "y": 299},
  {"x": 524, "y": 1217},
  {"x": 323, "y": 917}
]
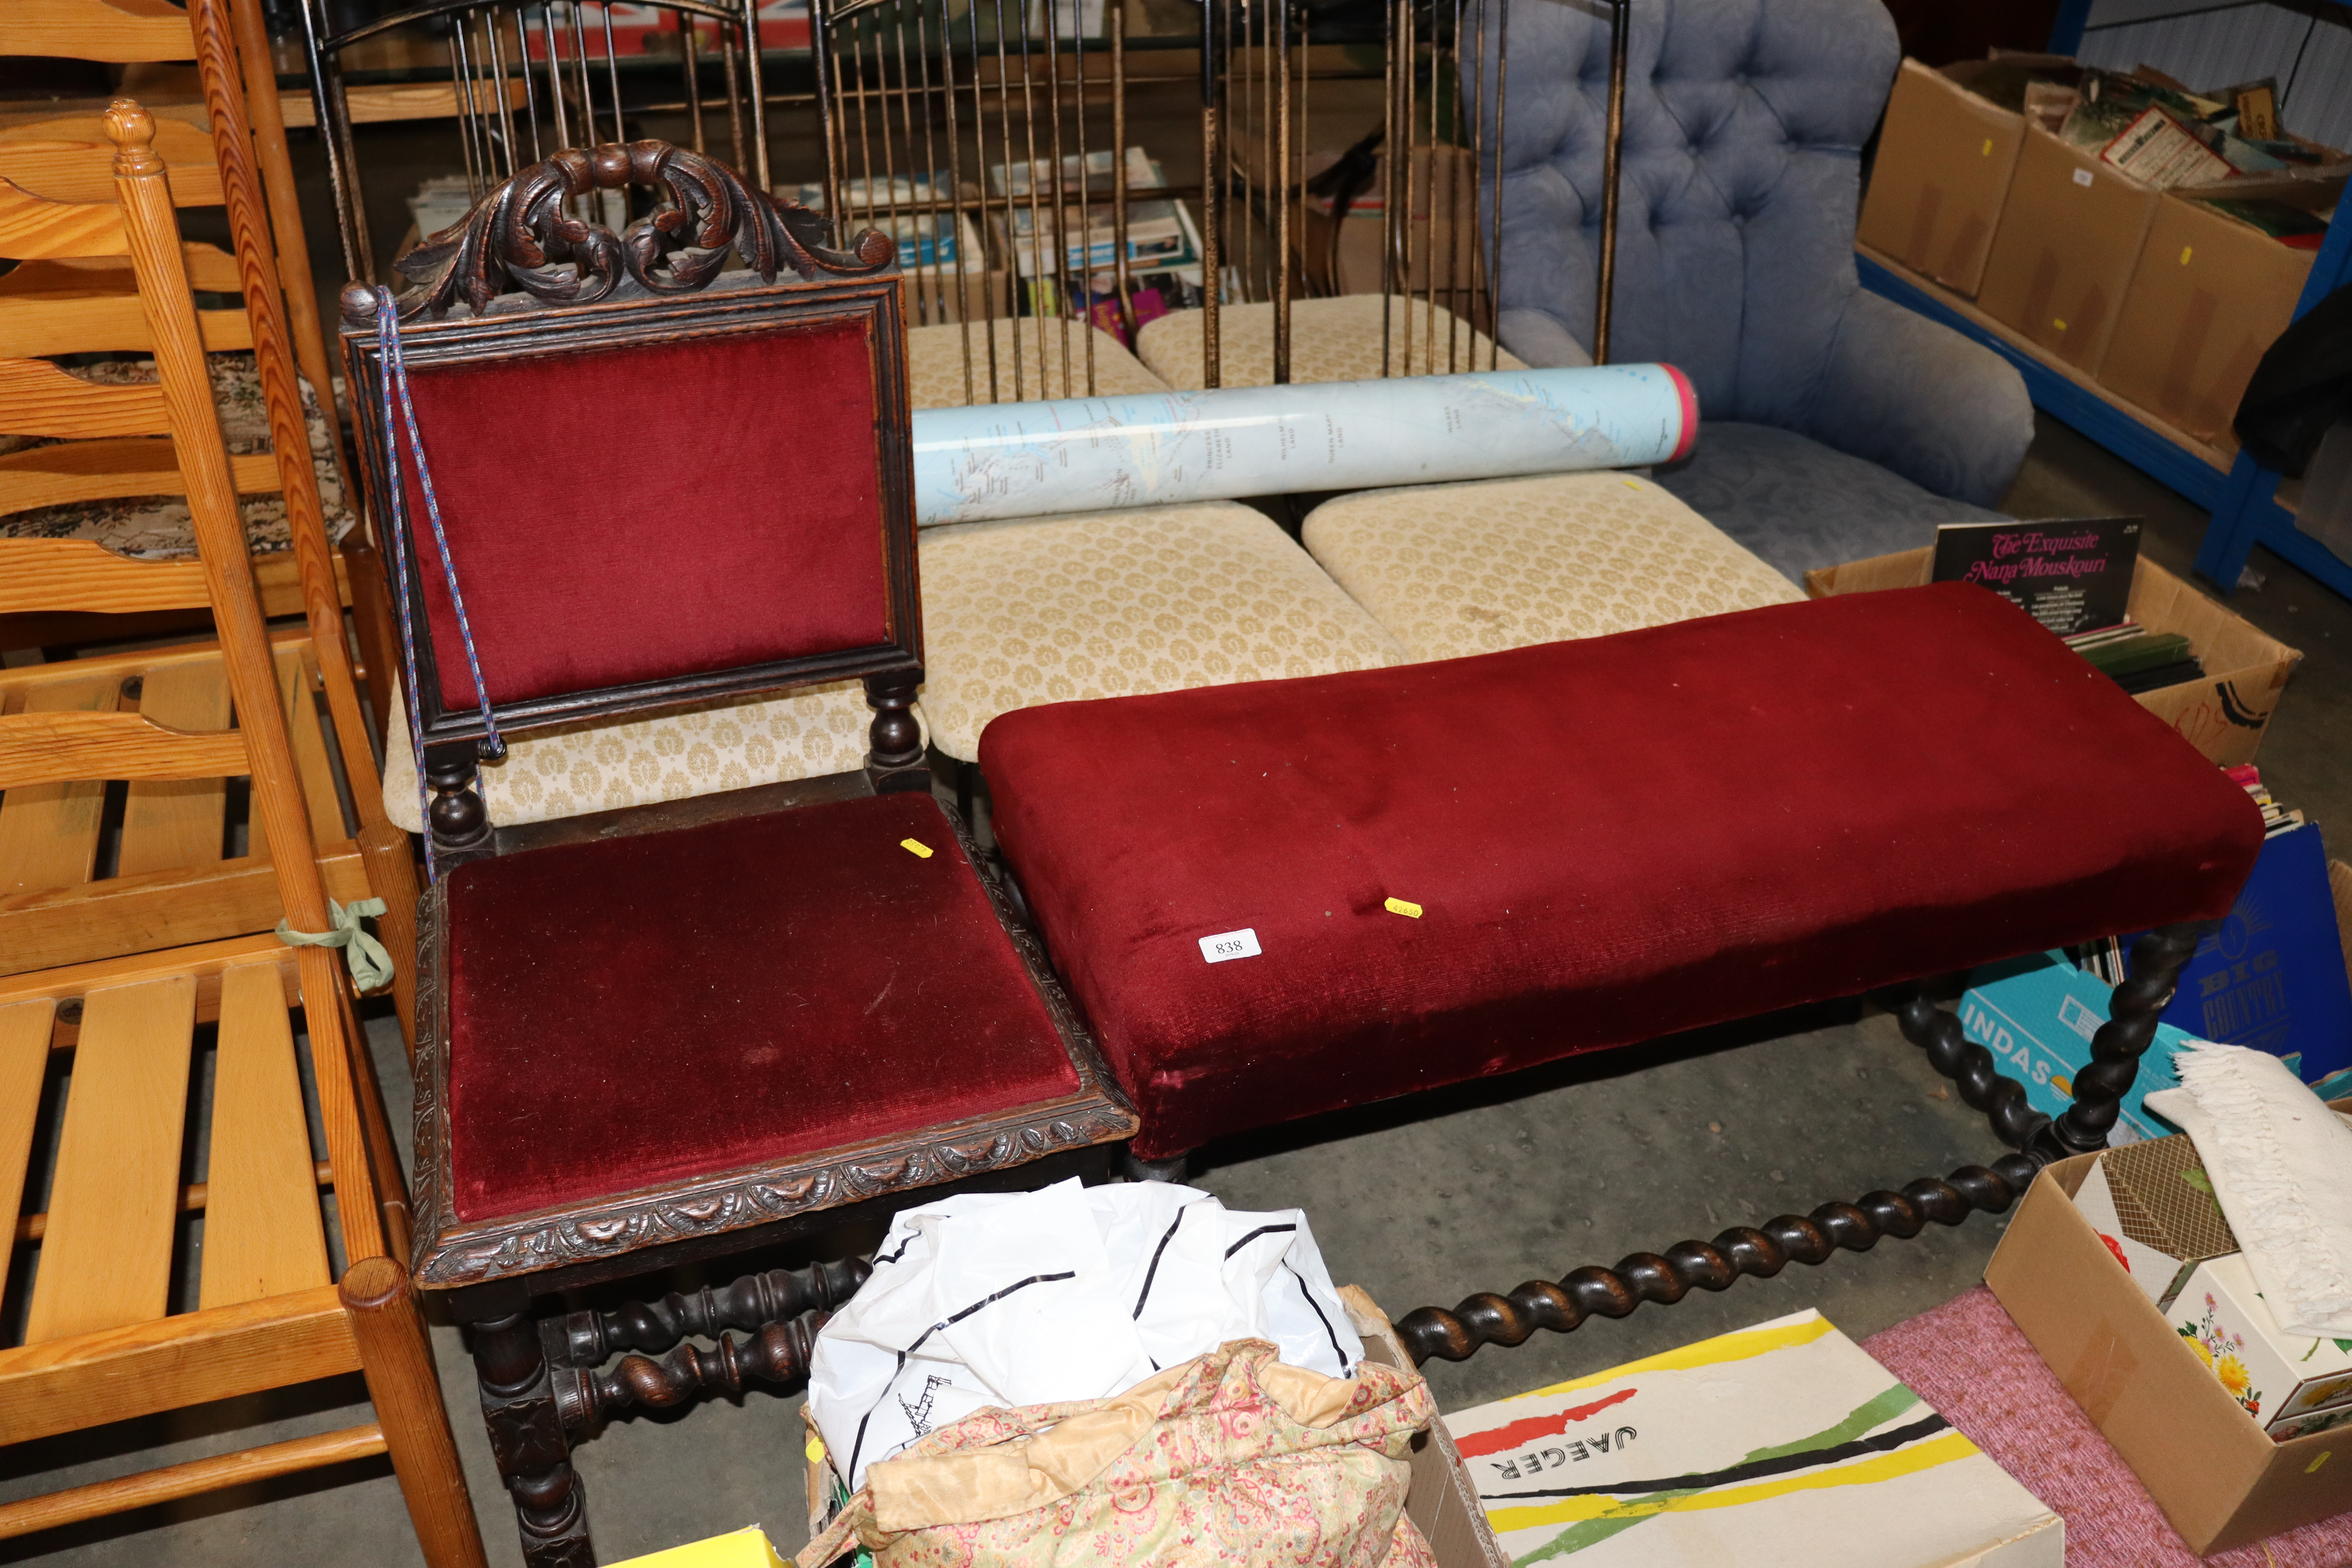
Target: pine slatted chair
[
  {"x": 107, "y": 1338},
  {"x": 170, "y": 882},
  {"x": 89, "y": 303}
]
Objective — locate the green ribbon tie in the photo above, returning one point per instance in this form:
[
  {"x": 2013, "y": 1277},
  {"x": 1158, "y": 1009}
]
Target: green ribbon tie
[{"x": 371, "y": 965}]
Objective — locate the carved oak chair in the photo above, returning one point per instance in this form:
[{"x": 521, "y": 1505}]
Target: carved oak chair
[
  {"x": 90, "y": 304},
  {"x": 166, "y": 878},
  {"x": 728, "y": 473},
  {"x": 108, "y": 1336}
]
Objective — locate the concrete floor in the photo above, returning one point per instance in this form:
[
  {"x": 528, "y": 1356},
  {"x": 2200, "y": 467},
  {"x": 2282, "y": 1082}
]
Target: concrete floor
[{"x": 1421, "y": 1202}]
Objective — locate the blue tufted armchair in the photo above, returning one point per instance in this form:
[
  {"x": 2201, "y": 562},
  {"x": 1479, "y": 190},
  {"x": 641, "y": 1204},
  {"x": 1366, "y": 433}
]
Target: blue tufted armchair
[{"x": 1835, "y": 423}]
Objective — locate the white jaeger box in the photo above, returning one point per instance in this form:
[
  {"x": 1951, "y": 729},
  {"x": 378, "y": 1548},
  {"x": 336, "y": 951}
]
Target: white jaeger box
[{"x": 1782, "y": 1445}]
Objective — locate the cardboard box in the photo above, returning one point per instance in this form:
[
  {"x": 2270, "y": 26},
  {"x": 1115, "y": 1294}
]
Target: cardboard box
[
  {"x": 2220, "y": 1479},
  {"x": 2154, "y": 1208},
  {"x": 1440, "y": 1498},
  {"x": 1782, "y": 1445},
  {"x": 2223, "y": 713},
  {"x": 2069, "y": 238},
  {"x": 2276, "y": 1375},
  {"x": 2208, "y": 295},
  {"x": 1941, "y": 176}
]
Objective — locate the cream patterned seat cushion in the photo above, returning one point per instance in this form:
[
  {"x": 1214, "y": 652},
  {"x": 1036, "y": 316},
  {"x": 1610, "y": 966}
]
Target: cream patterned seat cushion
[
  {"x": 1156, "y": 599},
  {"x": 575, "y": 768},
  {"x": 1336, "y": 338},
  {"x": 161, "y": 526},
  {"x": 1496, "y": 564},
  {"x": 935, "y": 364}
]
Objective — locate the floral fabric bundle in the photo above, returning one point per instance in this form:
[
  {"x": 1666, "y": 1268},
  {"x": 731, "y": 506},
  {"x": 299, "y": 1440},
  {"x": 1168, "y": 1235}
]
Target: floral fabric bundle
[{"x": 1234, "y": 1458}]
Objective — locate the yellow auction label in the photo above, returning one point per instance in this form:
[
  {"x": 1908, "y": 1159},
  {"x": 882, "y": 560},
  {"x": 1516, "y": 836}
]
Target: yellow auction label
[
  {"x": 917, "y": 848},
  {"x": 1399, "y": 907}
]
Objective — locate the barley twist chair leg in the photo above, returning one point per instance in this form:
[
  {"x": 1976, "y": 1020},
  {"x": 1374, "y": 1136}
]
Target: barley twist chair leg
[
  {"x": 397, "y": 1358},
  {"x": 2157, "y": 960}
]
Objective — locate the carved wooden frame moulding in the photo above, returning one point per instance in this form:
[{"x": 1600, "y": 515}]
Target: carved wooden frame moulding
[
  {"x": 449, "y": 1252},
  {"x": 521, "y": 235}
]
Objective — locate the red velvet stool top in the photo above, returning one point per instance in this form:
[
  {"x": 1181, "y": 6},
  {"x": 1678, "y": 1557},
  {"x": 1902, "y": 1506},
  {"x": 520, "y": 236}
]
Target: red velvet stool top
[
  {"x": 1607, "y": 841},
  {"x": 649, "y": 1009}
]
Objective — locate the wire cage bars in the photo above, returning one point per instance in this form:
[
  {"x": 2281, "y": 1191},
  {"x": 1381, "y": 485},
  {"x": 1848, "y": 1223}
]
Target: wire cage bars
[{"x": 528, "y": 80}]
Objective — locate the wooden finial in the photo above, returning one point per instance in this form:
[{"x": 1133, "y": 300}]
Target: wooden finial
[
  {"x": 132, "y": 131},
  {"x": 359, "y": 304}
]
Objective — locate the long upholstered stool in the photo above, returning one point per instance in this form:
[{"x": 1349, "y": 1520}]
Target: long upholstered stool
[{"x": 1276, "y": 899}]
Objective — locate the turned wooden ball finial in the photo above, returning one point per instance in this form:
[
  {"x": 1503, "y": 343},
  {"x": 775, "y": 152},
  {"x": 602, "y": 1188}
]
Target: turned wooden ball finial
[
  {"x": 358, "y": 302},
  {"x": 132, "y": 131}
]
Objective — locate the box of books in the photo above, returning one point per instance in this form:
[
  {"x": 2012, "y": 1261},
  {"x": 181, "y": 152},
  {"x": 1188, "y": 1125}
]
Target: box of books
[
  {"x": 2276, "y": 1376},
  {"x": 2069, "y": 235},
  {"x": 1782, "y": 1445},
  {"x": 2155, "y": 1209},
  {"x": 2216, "y": 284},
  {"x": 2221, "y": 1479},
  {"x": 1944, "y": 157},
  {"x": 2222, "y": 685}
]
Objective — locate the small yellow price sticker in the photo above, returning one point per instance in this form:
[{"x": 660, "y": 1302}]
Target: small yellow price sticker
[
  {"x": 917, "y": 848},
  {"x": 1401, "y": 907},
  {"x": 815, "y": 1450}
]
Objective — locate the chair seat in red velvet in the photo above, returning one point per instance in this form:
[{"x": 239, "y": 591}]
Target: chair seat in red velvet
[
  {"x": 650, "y": 1009},
  {"x": 1607, "y": 841}
]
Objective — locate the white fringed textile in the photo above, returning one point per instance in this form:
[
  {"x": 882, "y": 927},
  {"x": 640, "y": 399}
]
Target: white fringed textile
[{"x": 2281, "y": 1164}]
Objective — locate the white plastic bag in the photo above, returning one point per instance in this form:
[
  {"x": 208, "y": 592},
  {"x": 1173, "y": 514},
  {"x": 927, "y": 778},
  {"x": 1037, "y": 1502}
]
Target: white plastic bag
[{"x": 1069, "y": 1293}]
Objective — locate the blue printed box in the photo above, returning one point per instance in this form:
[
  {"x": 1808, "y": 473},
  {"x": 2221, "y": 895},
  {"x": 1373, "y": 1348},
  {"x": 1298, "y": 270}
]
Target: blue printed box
[{"x": 2037, "y": 1014}]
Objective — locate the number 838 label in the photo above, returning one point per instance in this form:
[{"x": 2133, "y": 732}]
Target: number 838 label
[{"x": 1242, "y": 944}]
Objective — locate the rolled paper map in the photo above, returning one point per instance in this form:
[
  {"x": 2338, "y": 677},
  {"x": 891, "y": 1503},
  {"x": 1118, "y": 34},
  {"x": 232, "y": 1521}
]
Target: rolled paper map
[{"x": 1094, "y": 454}]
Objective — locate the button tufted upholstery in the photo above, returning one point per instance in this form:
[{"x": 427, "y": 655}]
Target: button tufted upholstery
[{"x": 1744, "y": 121}]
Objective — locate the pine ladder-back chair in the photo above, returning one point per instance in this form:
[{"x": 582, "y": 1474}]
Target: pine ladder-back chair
[
  {"x": 170, "y": 883},
  {"x": 103, "y": 1342},
  {"x": 65, "y": 157},
  {"x": 724, "y": 505}
]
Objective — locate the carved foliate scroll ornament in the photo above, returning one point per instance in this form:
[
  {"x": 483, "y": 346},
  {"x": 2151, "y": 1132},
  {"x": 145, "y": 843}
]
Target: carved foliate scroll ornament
[{"x": 519, "y": 236}]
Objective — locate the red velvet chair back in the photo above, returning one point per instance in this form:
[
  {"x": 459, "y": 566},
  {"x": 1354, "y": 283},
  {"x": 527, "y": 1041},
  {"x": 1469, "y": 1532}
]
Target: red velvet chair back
[{"x": 649, "y": 499}]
